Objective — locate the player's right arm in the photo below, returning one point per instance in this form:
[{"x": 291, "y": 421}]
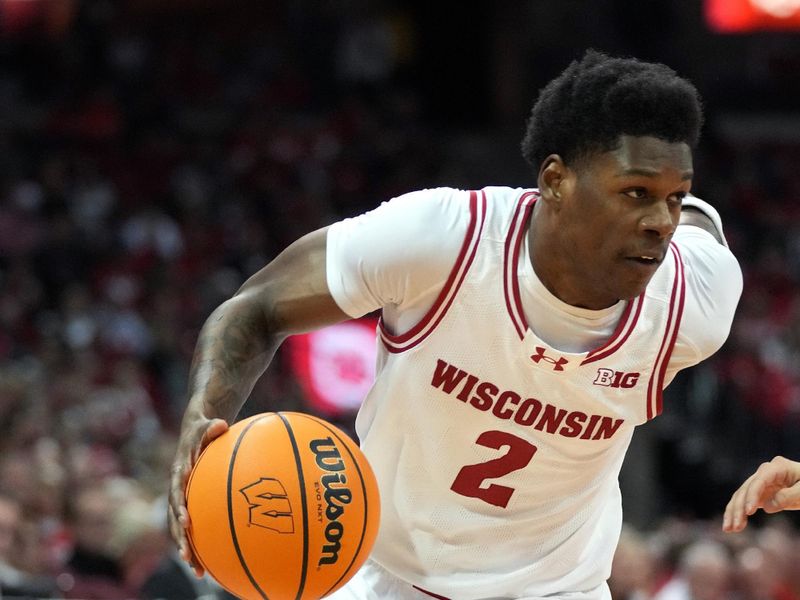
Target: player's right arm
[
  {"x": 775, "y": 486},
  {"x": 238, "y": 340},
  {"x": 395, "y": 257}
]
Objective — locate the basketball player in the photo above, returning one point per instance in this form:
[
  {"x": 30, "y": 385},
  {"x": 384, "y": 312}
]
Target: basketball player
[
  {"x": 524, "y": 334},
  {"x": 775, "y": 486}
]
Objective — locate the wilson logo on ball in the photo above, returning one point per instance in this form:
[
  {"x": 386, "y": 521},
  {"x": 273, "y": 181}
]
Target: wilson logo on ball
[
  {"x": 269, "y": 505},
  {"x": 337, "y": 494}
]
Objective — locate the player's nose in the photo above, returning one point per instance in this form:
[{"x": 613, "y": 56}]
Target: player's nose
[{"x": 659, "y": 220}]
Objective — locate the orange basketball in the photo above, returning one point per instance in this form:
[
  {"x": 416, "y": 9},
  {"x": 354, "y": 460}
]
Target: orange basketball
[{"x": 282, "y": 506}]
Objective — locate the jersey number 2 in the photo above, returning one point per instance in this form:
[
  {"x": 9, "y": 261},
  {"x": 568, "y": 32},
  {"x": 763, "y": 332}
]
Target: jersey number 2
[{"x": 469, "y": 480}]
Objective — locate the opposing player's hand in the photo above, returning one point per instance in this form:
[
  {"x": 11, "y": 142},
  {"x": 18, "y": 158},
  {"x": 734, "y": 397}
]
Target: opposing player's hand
[
  {"x": 196, "y": 434},
  {"x": 774, "y": 487}
]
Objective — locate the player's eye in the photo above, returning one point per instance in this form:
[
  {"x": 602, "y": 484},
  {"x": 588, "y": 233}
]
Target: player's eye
[
  {"x": 637, "y": 193},
  {"x": 678, "y": 197}
]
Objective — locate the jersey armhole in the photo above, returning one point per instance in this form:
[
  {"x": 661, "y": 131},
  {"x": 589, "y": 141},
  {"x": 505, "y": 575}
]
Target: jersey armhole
[{"x": 399, "y": 343}]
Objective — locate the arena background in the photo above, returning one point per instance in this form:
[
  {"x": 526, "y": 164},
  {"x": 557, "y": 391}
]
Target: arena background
[{"x": 155, "y": 153}]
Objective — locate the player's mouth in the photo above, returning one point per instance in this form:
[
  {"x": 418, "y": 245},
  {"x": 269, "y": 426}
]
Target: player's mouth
[
  {"x": 646, "y": 259},
  {"x": 647, "y": 262}
]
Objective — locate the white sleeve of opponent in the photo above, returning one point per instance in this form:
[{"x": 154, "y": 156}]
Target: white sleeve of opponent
[
  {"x": 713, "y": 289},
  {"x": 399, "y": 255}
]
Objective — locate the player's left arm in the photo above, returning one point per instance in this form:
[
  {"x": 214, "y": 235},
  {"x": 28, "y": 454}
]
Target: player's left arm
[
  {"x": 699, "y": 213},
  {"x": 691, "y": 215},
  {"x": 713, "y": 284}
]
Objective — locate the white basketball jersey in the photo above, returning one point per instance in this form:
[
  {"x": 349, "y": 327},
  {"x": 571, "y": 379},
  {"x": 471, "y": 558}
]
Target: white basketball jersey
[{"x": 497, "y": 454}]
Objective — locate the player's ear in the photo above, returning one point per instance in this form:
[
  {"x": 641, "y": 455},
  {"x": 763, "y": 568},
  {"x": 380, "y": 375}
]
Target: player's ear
[{"x": 553, "y": 176}]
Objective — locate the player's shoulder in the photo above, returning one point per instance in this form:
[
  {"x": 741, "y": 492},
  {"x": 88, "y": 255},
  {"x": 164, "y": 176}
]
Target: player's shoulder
[
  {"x": 704, "y": 244},
  {"x": 504, "y": 196},
  {"x": 704, "y": 255},
  {"x": 713, "y": 285},
  {"x": 450, "y": 210},
  {"x": 441, "y": 208},
  {"x": 497, "y": 195}
]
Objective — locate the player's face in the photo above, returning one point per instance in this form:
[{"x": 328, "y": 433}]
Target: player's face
[{"x": 619, "y": 215}]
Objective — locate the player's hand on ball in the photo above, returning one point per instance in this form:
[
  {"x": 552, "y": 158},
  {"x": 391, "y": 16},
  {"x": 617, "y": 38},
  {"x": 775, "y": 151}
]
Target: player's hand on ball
[
  {"x": 774, "y": 487},
  {"x": 196, "y": 433},
  {"x": 282, "y": 505}
]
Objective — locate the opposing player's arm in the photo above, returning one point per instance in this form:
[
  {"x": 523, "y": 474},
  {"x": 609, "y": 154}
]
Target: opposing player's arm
[
  {"x": 235, "y": 345},
  {"x": 775, "y": 486}
]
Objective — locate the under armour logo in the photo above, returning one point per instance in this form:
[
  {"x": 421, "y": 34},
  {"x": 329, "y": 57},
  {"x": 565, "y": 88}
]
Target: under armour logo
[
  {"x": 269, "y": 505},
  {"x": 558, "y": 365}
]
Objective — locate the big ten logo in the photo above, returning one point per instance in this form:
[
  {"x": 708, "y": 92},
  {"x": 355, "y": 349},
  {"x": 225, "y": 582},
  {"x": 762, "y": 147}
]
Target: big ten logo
[
  {"x": 336, "y": 494},
  {"x": 616, "y": 379}
]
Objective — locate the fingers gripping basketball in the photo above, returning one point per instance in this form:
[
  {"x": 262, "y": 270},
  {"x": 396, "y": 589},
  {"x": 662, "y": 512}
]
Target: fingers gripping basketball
[{"x": 282, "y": 506}]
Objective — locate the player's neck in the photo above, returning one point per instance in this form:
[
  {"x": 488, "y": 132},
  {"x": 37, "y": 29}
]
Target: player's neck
[{"x": 550, "y": 261}]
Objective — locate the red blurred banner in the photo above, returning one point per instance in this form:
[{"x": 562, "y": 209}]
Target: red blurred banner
[
  {"x": 741, "y": 16},
  {"x": 36, "y": 17},
  {"x": 335, "y": 366}
]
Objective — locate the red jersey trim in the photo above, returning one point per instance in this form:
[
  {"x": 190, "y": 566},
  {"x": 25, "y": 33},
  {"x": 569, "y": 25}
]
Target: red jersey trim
[
  {"x": 655, "y": 387},
  {"x": 402, "y": 342},
  {"x": 516, "y": 234},
  {"x": 626, "y": 325},
  {"x": 431, "y": 594}
]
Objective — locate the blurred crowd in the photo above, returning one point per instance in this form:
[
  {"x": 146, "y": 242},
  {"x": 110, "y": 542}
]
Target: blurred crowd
[
  {"x": 148, "y": 167},
  {"x": 693, "y": 560}
]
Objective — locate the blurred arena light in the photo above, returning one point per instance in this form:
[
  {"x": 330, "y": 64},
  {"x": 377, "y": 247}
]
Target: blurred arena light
[
  {"x": 742, "y": 16},
  {"x": 335, "y": 366}
]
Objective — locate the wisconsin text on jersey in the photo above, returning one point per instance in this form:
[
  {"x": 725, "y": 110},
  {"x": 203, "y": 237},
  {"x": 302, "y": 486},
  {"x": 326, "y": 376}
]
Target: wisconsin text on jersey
[{"x": 528, "y": 412}]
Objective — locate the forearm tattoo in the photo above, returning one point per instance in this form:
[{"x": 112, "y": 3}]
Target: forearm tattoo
[{"x": 232, "y": 351}]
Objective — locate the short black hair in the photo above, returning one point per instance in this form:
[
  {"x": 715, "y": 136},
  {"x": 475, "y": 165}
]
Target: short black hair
[{"x": 599, "y": 98}]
